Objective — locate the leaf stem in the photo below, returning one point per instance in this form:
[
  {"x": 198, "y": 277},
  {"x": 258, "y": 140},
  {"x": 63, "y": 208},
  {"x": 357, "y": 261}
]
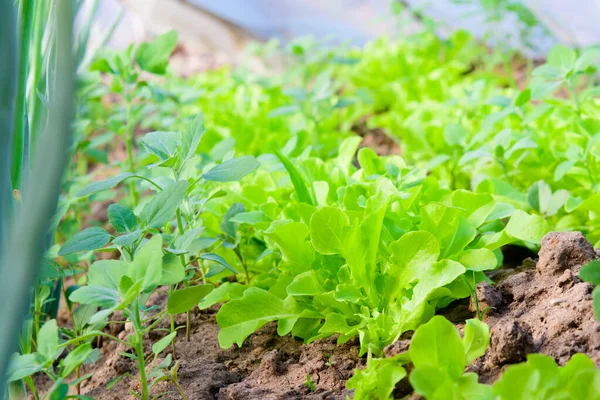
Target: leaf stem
[
  {"x": 139, "y": 350},
  {"x": 129, "y": 144}
]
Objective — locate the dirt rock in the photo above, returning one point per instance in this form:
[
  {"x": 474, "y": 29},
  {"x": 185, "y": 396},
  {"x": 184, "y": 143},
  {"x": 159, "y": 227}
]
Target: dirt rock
[
  {"x": 546, "y": 309},
  {"x": 564, "y": 250},
  {"x": 510, "y": 341},
  {"x": 489, "y": 297}
]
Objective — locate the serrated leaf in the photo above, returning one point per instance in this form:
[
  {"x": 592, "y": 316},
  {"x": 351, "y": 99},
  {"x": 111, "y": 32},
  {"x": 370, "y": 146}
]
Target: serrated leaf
[
  {"x": 121, "y": 218},
  {"x": 162, "y": 144}
]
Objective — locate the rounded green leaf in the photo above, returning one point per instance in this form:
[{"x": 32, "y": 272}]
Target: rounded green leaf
[{"x": 437, "y": 344}]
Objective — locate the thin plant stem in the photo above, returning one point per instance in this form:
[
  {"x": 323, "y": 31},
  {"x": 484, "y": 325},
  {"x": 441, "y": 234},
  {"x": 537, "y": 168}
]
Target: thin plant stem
[
  {"x": 180, "y": 389},
  {"x": 139, "y": 350},
  {"x": 129, "y": 145}
]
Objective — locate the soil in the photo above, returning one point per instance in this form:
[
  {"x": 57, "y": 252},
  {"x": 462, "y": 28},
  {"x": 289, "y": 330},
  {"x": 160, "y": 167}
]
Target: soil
[
  {"x": 266, "y": 367},
  {"x": 541, "y": 307},
  {"x": 535, "y": 307},
  {"x": 375, "y": 138}
]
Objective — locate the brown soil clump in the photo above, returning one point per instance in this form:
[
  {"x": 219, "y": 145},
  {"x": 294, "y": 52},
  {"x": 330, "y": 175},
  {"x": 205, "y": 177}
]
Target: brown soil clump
[{"x": 544, "y": 310}]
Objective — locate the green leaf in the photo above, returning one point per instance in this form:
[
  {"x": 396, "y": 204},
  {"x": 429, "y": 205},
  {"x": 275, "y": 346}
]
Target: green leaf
[
  {"x": 161, "y": 209},
  {"x": 327, "y": 227},
  {"x": 24, "y": 365},
  {"x": 437, "y": 344},
  {"x": 121, "y": 218},
  {"x": 128, "y": 239},
  {"x": 429, "y": 380},
  {"x": 305, "y": 284},
  {"x": 562, "y": 169},
  {"x": 291, "y": 238},
  {"x": 591, "y": 272},
  {"x": 378, "y": 379},
  {"x": 226, "y": 291},
  {"x": 192, "y": 136},
  {"x": 542, "y": 199},
  {"x": 147, "y": 264},
  {"x": 154, "y": 56},
  {"x": 89, "y": 239},
  {"x": 455, "y": 135},
  {"x": 283, "y": 110},
  {"x": 449, "y": 225},
  {"x": 240, "y": 317},
  {"x": 107, "y": 273},
  {"x": 96, "y": 295},
  {"x": 105, "y": 184},
  {"x": 172, "y": 270},
  {"x": 589, "y": 58},
  {"x": 162, "y": 344},
  {"x": 162, "y": 144},
  {"x": 518, "y": 382},
  {"x": 301, "y": 189},
  {"x": 218, "y": 259},
  {"x": 525, "y": 227},
  {"x": 232, "y": 170},
  {"x": 476, "y": 339},
  {"x": 75, "y": 358},
  {"x": 596, "y": 299},
  {"x": 562, "y": 57},
  {"x": 183, "y": 300},
  {"x": 478, "y": 259},
  {"x": 412, "y": 254},
  {"x": 47, "y": 340},
  {"x": 230, "y": 227},
  {"x": 250, "y": 218}
]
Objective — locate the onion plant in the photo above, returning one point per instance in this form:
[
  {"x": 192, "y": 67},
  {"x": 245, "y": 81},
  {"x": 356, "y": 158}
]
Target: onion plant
[{"x": 23, "y": 240}]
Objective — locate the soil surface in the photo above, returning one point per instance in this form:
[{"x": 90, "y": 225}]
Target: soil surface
[
  {"x": 266, "y": 367},
  {"x": 536, "y": 307},
  {"x": 541, "y": 307}
]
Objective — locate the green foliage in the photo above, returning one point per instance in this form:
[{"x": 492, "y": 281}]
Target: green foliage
[
  {"x": 439, "y": 357},
  {"x": 250, "y": 189}
]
